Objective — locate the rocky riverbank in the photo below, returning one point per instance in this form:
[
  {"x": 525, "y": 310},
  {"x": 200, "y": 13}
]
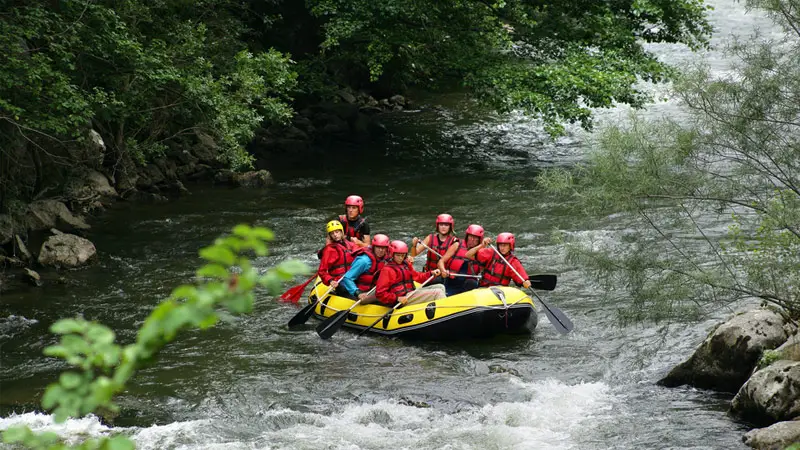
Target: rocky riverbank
[
  {"x": 49, "y": 235},
  {"x": 755, "y": 354}
]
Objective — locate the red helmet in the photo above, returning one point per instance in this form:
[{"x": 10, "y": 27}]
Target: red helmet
[
  {"x": 506, "y": 238},
  {"x": 380, "y": 240},
  {"x": 475, "y": 230},
  {"x": 445, "y": 218},
  {"x": 398, "y": 247},
  {"x": 355, "y": 200}
]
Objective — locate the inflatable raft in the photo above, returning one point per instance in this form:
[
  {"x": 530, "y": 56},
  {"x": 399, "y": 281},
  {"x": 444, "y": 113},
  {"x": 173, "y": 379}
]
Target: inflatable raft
[{"x": 479, "y": 313}]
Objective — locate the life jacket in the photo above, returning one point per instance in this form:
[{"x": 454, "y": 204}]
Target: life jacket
[
  {"x": 352, "y": 230},
  {"x": 343, "y": 260},
  {"x": 405, "y": 284},
  {"x": 496, "y": 272},
  {"x": 440, "y": 247},
  {"x": 456, "y": 263},
  {"x": 367, "y": 280}
]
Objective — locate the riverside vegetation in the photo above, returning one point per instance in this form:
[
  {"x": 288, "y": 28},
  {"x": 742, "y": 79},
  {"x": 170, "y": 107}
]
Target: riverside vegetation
[
  {"x": 727, "y": 179},
  {"x": 102, "y": 367}
]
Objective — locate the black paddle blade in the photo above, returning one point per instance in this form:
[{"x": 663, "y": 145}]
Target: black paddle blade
[
  {"x": 560, "y": 321},
  {"x": 302, "y": 316},
  {"x": 544, "y": 282},
  {"x": 331, "y": 325}
]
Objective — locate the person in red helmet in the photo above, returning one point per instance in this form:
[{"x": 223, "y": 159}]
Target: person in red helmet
[
  {"x": 439, "y": 242},
  {"x": 495, "y": 270},
  {"x": 336, "y": 257},
  {"x": 356, "y": 228},
  {"x": 456, "y": 261},
  {"x": 367, "y": 263},
  {"x": 396, "y": 280}
]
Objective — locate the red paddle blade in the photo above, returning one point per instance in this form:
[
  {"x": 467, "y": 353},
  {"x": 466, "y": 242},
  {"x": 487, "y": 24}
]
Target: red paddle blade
[{"x": 293, "y": 294}]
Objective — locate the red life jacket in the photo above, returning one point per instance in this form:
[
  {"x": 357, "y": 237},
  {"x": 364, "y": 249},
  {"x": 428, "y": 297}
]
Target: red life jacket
[
  {"x": 457, "y": 262},
  {"x": 343, "y": 259},
  {"x": 440, "y": 247},
  {"x": 354, "y": 231},
  {"x": 496, "y": 272},
  {"x": 405, "y": 284},
  {"x": 367, "y": 280}
]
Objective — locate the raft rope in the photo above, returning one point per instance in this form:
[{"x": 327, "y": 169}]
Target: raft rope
[{"x": 410, "y": 311}]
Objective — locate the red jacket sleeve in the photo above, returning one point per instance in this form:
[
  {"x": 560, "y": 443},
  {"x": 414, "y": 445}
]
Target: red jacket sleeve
[
  {"x": 328, "y": 257},
  {"x": 386, "y": 279},
  {"x": 521, "y": 270},
  {"x": 421, "y": 277},
  {"x": 484, "y": 255}
]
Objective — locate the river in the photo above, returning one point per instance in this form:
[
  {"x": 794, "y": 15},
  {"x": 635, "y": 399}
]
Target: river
[{"x": 252, "y": 384}]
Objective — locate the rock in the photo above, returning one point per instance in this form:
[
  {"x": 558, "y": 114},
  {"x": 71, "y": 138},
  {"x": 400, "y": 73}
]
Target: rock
[
  {"x": 167, "y": 167},
  {"x": 371, "y": 110},
  {"x": 23, "y": 250},
  {"x": 295, "y": 133},
  {"x": 398, "y": 100},
  {"x": 46, "y": 214},
  {"x": 772, "y": 394},
  {"x": 93, "y": 184},
  {"x": 347, "y": 96},
  {"x": 790, "y": 349},
  {"x": 206, "y": 149},
  {"x": 150, "y": 175},
  {"x": 66, "y": 251},
  {"x": 144, "y": 197},
  {"x": 32, "y": 278},
  {"x": 724, "y": 361},
  {"x": 252, "y": 179},
  {"x": 55, "y": 232},
  {"x": 777, "y": 436},
  {"x": 6, "y": 229}
]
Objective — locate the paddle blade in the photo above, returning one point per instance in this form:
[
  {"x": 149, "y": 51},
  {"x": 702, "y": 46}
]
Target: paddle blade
[
  {"x": 557, "y": 318},
  {"x": 302, "y": 316},
  {"x": 544, "y": 282},
  {"x": 331, "y": 325},
  {"x": 293, "y": 294}
]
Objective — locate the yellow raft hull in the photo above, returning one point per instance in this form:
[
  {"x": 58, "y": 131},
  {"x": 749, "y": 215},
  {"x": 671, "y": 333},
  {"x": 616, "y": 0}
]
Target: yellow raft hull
[{"x": 478, "y": 313}]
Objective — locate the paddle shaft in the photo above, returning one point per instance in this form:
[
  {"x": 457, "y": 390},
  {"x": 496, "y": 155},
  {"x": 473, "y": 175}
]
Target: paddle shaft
[
  {"x": 563, "y": 325},
  {"x": 302, "y": 316},
  {"x": 422, "y": 241},
  {"x": 394, "y": 308}
]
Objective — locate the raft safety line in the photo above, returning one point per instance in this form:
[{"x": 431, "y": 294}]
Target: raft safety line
[{"x": 401, "y": 312}]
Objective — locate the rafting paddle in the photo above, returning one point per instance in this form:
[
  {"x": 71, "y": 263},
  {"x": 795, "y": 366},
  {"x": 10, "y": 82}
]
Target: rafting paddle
[
  {"x": 388, "y": 313},
  {"x": 421, "y": 241},
  {"x": 293, "y": 294},
  {"x": 332, "y": 324},
  {"x": 302, "y": 316},
  {"x": 546, "y": 282},
  {"x": 557, "y": 318}
]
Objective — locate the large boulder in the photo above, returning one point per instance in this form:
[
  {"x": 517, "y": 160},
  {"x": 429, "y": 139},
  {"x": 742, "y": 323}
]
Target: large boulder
[
  {"x": 46, "y": 214},
  {"x": 777, "y": 436},
  {"x": 251, "y": 179},
  {"x": 66, "y": 251},
  {"x": 725, "y": 360},
  {"x": 93, "y": 185},
  {"x": 772, "y": 394}
]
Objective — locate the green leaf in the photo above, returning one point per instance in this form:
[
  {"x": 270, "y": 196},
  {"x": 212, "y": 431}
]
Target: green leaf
[
  {"x": 218, "y": 254},
  {"x": 120, "y": 443},
  {"x": 213, "y": 271},
  {"x": 67, "y": 326},
  {"x": 70, "y": 380},
  {"x": 18, "y": 433}
]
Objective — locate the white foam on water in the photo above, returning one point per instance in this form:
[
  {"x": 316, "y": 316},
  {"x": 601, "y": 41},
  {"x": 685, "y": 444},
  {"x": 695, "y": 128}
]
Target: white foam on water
[
  {"x": 553, "y": 416},
  {"x": 72, "y": 431}
]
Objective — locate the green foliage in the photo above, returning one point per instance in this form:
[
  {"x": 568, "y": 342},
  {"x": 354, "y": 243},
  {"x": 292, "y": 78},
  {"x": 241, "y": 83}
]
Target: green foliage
[
  {"x": 553, "y": 59},
  {"x": 143, "y": 74},
  {"x": 768, "y": 357},
  {"x": 102, "y": 368},
  {"x": 710, "y": 209}
]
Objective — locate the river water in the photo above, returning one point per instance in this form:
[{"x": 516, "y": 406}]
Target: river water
[{"x": 252, "y": 384}]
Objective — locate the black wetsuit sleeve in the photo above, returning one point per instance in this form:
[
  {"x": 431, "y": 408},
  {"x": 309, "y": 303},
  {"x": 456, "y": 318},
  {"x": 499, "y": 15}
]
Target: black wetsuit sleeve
[{"x": 364, "y": 230}]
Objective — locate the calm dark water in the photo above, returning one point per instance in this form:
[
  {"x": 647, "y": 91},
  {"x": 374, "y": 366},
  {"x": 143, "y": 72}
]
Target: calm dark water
[{"x": 253, "y": 384}]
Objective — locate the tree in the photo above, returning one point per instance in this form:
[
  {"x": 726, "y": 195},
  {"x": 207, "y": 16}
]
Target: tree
[
  {"x": 143, "y": 74},
  {"x": 102, "y": 368},
  {"x": 556, "y": 60},
  {"x": 711, "y": 207}
]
